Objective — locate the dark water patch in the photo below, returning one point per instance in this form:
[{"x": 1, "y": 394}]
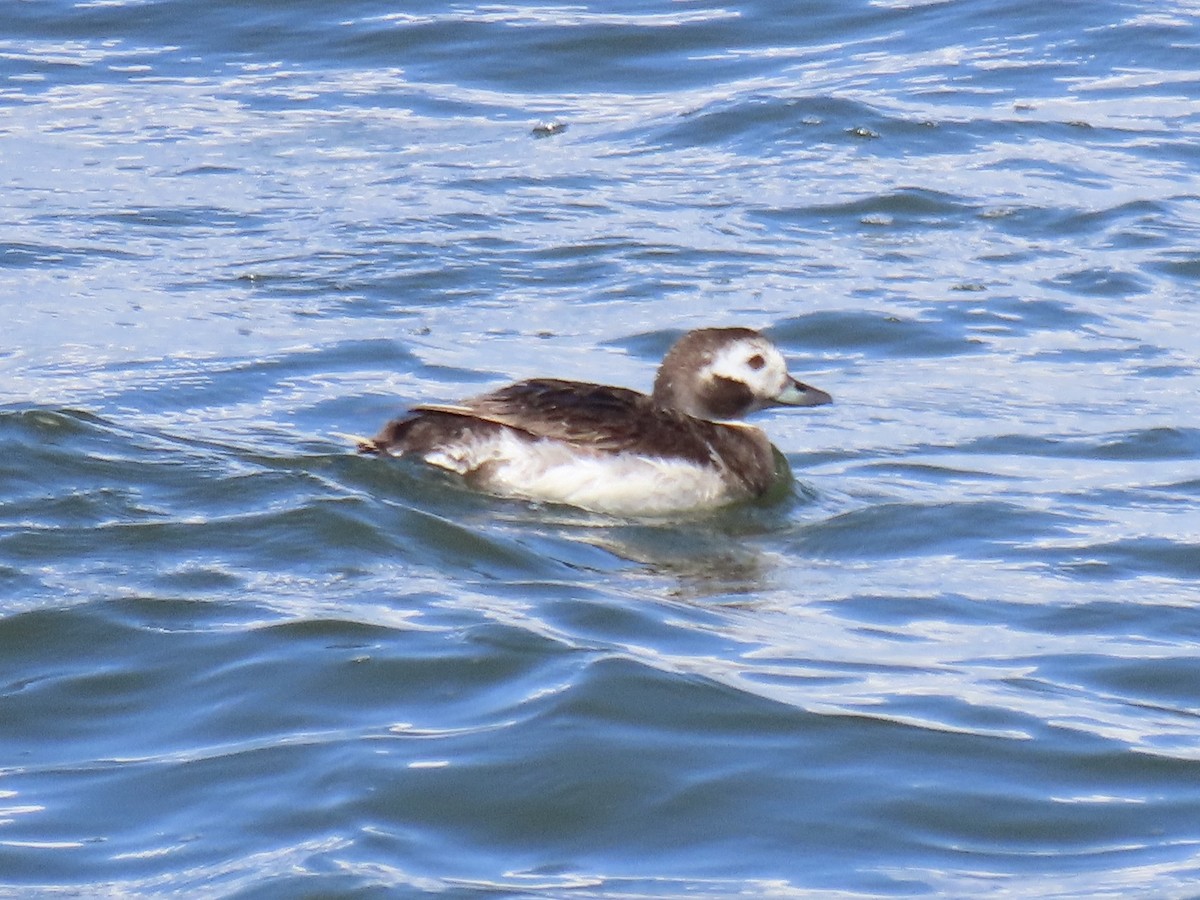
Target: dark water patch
[
  {"x": 474, "y": 681},
  {"x": 77, "y": 459},
  {"x": 214, "y": 33},
  {"x": 1139, "y": 239},
  {"x": 1100, "y": 282},
  {"x": 892, "y": 530},
  {"x": 1013, "y": 315},
  {"x": 584, "y": 263},
  {"x": 1179, "y": 264},
  {"x": 938, "y": 711},
  {"x": 73, "y": 683},
  {"x": 1114, "y": 221},
  {"x": 768, "y": 122},
  {"x": 1082, "y": 773},
  {"x": 1121, "y": 354},
  {"x": 1136, "y": 214},
  {"x": 1152, "y": 444},
  {"x": 112, "y": 819},
  {"x": 930, "y": 473},
  {"x": 106, "y": 498},
  {"x": 38, "y": 425},
  {"x": 1141, "y": 616},
  {"x": 568, "y": 803},
  {"x": 47, "y": 444},
  {"x": 418, "y": 283},
  {"x": 517, "y": 50},
  {"x": 210, "y": 170},
  {"x": 187, "y": 384},
  {"x": 1159, "y": 443},
  {"x": 221, "y": 663},
  {"x": 650, "y": 346},
  {"x": 705, "y": 553},
  {"x": 873, "y": 335},
  {"x": 440, "y": 523},
  {"x": 1171, "y": 681},
  {"x": 596, "y": 249},
  {"x": 369, "y": 410},
  {"x": 196, "y": 580},
  {"x": 1190, "y": 487},
  {"x": 19, "y": 585},
  {"x": 1135, "y": 557},
  {"x": 1041, "y": 220},
  {"x": 1128, "y": 497},
  {"x": 518, "y": 182},
  {"x": 325, "y": 275},
  {"x": 317, "y": 532},
  {"x": 510, "y": 779},
  {"x": 703, "y": 563},
  {"x": 204, "y": 218},
  {"x": 392, "y": 354},
  {"x": 1164, "y": 371},
  {"x": 672, "y": 625},
  {"x": 92, "y": 505},
  {"x": 914, "y": 209},
  {"x": 904, "y": 610},
  {"x": 25, "y": 255}
]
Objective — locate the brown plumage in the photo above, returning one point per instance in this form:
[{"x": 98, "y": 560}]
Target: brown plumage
[{"x": 521, "y": 439}]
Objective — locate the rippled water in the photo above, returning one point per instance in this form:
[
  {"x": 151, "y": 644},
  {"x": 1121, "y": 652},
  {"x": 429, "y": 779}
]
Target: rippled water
[{"x": 960, "y": 658}]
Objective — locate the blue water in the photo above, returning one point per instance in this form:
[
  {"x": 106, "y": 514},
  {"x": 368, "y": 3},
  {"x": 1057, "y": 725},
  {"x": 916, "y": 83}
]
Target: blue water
[{"x": 960, "y": 658}]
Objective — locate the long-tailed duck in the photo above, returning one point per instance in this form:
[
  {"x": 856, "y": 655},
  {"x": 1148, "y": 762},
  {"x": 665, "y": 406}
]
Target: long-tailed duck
[{"x": 615, "y": 450}]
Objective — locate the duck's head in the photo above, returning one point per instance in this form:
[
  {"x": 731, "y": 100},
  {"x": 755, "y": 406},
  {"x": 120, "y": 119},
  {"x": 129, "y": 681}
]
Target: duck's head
[{"x": 728, "y": 373}]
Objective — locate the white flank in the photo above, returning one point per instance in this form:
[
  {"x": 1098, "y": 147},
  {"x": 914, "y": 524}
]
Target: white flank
[{"x": 620, "y": 484}]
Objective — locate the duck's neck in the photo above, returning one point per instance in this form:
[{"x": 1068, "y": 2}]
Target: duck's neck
[{"x": 717, "y": 398}]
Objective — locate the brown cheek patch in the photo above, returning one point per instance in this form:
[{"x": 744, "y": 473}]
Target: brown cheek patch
[{"x": 726, "y": 398}]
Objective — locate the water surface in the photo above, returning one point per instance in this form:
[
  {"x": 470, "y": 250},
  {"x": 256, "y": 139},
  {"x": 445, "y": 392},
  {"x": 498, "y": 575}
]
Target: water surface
[{"x": 958, "y": 658}]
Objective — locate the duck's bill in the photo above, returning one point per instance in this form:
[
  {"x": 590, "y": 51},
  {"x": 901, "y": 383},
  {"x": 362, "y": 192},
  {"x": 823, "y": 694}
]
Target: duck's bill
[{"x": 797, "y": 393}]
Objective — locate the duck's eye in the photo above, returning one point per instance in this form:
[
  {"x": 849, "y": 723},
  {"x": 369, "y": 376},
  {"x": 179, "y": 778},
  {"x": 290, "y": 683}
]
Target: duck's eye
[{"x": 756, "y": 362}]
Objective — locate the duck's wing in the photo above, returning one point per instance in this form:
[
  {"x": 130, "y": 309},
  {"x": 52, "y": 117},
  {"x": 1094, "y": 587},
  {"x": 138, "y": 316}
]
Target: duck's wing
[
  {"x": 576, "y": 412},
  {"x": 592, "y": 415}
]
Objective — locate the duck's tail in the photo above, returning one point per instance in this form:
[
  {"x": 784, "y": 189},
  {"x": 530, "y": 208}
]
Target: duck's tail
[{"x": 370, "y": 446}]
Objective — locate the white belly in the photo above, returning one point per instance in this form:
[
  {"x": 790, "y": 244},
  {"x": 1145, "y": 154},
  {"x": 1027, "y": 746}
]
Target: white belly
[{"x": 619, "y": 484}]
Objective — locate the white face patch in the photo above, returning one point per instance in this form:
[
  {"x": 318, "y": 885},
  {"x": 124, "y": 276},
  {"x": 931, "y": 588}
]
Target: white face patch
[{"x": 755, "y": 363}]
